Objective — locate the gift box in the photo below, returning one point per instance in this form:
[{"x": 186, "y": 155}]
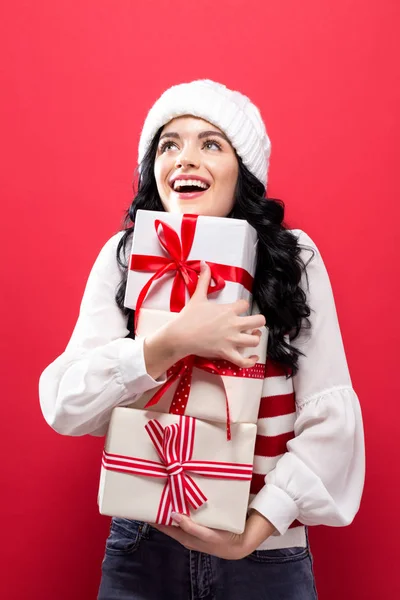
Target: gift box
[
  {"x": 214, "y": 390},
  {"x": 152, "y": 467},
  {"x": 165, "y": 259}
]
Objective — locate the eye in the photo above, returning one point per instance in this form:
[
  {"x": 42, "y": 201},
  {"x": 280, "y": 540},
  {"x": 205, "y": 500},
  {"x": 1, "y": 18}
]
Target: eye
[
  {"x": 209, "y": 144},
  {"x": 166, "y": 146}
]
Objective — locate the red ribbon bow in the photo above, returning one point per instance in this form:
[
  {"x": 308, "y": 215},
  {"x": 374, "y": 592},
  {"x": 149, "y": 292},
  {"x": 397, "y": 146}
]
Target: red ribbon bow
[
  {"x": 174, "y": 445},
  {"x": 183, "y": 370},
  {"x": 186, "y": 271}
]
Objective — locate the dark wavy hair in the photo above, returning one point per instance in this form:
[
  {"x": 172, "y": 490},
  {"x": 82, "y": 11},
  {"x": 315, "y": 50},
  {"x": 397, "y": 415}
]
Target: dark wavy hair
[{"x": 279, "y": 267}]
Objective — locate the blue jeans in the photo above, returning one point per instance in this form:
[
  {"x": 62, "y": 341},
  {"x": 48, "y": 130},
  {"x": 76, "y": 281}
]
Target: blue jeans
[{"x": 141, "y": 563}]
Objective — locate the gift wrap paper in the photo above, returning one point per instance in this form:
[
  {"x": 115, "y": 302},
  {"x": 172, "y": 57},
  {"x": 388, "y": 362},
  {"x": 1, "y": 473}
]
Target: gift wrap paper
[
  {"x": 230, "y": 242},
  {"x": 138, "y": 497},
  {"x": 206, "y": 398}
]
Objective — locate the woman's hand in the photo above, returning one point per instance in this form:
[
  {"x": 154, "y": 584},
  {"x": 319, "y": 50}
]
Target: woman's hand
[
  {"x": 224, "y": 544},
  {"x": 214, "y": 330},
  {"x": 206, "y": 329}
]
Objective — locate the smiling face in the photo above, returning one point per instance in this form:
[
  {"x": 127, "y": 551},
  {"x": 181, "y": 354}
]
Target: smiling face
[{"x": 196, "y": 168}]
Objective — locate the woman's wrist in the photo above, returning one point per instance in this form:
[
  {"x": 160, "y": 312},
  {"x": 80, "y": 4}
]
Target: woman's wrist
[
  {"x": 258, "y": 529},
  {"x": 162, "y": 349}
]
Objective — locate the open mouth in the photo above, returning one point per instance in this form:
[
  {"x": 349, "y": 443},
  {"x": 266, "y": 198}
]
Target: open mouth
[{"x": 190, "y": 186}]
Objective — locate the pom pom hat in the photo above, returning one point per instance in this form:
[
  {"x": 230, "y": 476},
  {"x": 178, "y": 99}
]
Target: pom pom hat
[{"x": 230, "y": 111}]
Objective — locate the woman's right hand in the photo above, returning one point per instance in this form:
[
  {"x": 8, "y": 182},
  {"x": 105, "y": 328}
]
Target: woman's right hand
[
  {"x": 206, "y": 329},
  {"x": 212, "y": 330}
]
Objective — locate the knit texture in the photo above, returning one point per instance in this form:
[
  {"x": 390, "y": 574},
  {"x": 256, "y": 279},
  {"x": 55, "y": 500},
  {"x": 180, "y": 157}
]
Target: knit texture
[{"x": 230, "y": 111}]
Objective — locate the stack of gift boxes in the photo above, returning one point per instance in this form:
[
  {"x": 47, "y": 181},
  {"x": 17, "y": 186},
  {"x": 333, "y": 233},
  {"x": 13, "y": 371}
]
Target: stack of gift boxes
[{"x": 188, "y": 445}]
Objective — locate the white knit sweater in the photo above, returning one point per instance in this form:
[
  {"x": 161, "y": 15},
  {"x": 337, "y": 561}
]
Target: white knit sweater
[{"x": 309, "y": 464}]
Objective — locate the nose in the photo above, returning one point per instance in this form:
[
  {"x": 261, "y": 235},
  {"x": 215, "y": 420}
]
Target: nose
[{"x": 187, "y": 158}]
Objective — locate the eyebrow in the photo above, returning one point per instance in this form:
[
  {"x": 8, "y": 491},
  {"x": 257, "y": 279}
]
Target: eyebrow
[{"x": 203, "y": 134}]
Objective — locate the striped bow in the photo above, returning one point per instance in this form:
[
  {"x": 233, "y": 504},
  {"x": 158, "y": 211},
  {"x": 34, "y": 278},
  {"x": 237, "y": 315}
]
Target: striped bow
[{"x": 174, "y": 445}]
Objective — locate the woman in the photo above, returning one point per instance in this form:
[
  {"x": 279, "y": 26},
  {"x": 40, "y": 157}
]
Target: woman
[{"x": 204, "y": 150}]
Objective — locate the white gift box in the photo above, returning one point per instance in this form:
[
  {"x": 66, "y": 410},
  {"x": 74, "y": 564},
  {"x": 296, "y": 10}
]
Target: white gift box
[
  {"x": 144, "y": 495},
  {"x": 229, "y": 242},
  {"x": 206, "y": 399}
]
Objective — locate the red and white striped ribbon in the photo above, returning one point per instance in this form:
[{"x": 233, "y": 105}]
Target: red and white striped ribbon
[{"x": 174, "y": 445}]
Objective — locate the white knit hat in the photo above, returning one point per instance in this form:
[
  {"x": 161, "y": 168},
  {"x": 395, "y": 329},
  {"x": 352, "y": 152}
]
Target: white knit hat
[{"x": 230, "y": 111}]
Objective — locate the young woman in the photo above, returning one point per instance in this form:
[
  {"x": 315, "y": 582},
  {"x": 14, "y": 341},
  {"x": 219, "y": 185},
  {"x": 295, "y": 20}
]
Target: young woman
[{"x": 204, "y": 150}]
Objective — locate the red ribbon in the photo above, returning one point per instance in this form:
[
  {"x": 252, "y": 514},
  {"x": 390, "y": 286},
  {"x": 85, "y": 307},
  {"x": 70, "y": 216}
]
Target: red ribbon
[
  {"x": 174, "y": 444},
  {"x": 186, "y": 271},
  {"x": 183, "y": 370}
]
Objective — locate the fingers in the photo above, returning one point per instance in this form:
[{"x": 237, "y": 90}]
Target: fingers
[
  {"x": 245, "y": 340},
  {"x": 243, "y": 362},
  {"x": 240, "y": 307},
  {"x": 203, "y": 282},
  {"x": 256, "y": 332},
  {"x": 251, "y": 322},
  {"x": 187, "y": 532},
  {"x": 191, "y": 528}
]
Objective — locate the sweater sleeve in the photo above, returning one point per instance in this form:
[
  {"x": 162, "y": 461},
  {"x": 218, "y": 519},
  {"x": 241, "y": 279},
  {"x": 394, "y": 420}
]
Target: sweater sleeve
[
  {"x": 100, "y": 368},
  {"x": 319, "y": 480}
]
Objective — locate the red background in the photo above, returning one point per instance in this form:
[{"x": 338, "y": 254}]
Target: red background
[{"x": 78, "y": 79}]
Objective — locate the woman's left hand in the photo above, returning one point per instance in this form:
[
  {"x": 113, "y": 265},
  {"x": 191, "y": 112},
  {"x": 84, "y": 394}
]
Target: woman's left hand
[{"x": 223, "y": 544}]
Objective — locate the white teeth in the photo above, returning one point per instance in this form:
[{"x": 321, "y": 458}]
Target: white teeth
[{"x": 195, "y": 182}]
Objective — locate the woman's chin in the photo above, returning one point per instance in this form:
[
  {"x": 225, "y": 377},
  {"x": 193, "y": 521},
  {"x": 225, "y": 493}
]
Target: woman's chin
[
  {"x": 186, "y": 207},
  {"x": 197, "y": 206}
]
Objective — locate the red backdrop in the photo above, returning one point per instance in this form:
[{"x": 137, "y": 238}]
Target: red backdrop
[{"x": 78, "y": 78}]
